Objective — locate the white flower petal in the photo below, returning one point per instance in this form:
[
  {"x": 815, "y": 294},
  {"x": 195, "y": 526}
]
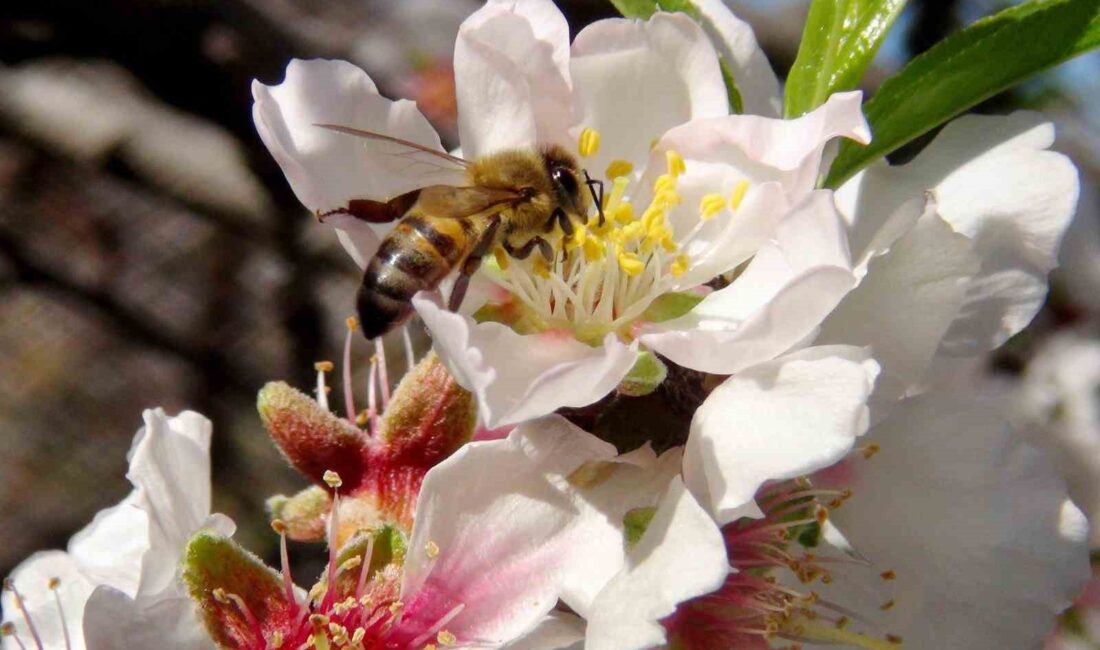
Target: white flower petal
[
  {"x": 512, "y": 76},
  {"x": 170, "y": 467},
  {"x": 680, "y": 556},
  {"x": 756, "y": 81},
  {"x": 729, "y": 237},
  {"x": 109, "y": 550},
  {"x": 908, "y": 298},
  {"x": 995, "y": 182},
  {"x": 327, "y": 169},
  {"x": 635, "y": 80},
  {"x": 514, "y": 539},
  {"x": 766, "y": 149},
  {"x": 777, "y": 420},
  {"x": 112, "y": 620},
  {"x": 556, "y": 631},
  {"x": 517, "y": 377},
  {"x": 780, "y": 299},
  {"x": 31, "y": 578},
  {"x": 1060, "y": 408},
  {"x": 973, "y": 522}
]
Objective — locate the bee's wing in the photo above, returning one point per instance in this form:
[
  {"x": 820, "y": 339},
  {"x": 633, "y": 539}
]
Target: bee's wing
[
  {"x": 417, "y": 154},
  {"x": 445, "y": 201},
  {"x": 450, "y": 202}
]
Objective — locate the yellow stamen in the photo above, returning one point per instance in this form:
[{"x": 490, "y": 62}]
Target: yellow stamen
[
  {"x": 623, "y": 213},
  {"x": 323, "y": 366},
  {"x": 332, "y": 479},
  {"x": 618, "y": 168},
  {"x": 630, "y": 264},
  {"x": 711, "y": 205},
  {"x": 664, "y": 183},
  {"x": 738, "y": 194},
  {"x": 680, "y": 266},
  {"x": 676, "y": 165},
  {"x": 352, "y": 322},
  {"x": 432, "y": 549},
  {"x": 446, "y": 638},
  {"x": 593, "y": 249},
  {"x": 589, "y": 142}
]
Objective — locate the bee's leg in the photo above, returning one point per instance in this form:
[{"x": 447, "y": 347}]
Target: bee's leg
[
  {"x": 598, "y": 198},
  {"x": 559, "y": 217},
  {"x": 376, "y": 211},
  {"x": 523, "y": 252},
  {"x": 473, "y": 262}
]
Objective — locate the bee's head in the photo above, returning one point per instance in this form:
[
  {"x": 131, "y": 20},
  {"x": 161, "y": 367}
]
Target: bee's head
[{"x": 571, "y": 191}]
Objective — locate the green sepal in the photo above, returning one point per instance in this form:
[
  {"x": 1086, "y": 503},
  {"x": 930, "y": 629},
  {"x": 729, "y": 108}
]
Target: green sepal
[
  {"x": 671, "y": 305},
  {"x": 988, "y": 57},
  {"x": 389, "y": 548},
  {"x": 212, "y": 563},
  {"x": 646, "y": 375},
  {"x": 304, "y": 513},
  {"x": 839, "y": 41},
  {"x": 635, "y": 523},
  {"x": 643, "y": 9}
]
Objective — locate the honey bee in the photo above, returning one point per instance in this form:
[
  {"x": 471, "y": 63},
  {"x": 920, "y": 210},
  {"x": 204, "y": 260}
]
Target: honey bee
[{"x": 512, "y": 198}]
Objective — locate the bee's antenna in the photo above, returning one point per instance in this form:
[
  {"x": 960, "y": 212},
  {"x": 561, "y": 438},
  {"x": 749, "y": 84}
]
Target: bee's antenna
[{"x": 592, "y": 185}]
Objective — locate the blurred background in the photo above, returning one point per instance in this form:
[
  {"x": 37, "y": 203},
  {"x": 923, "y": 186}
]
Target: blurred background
[{"x": 151, "y": 252}]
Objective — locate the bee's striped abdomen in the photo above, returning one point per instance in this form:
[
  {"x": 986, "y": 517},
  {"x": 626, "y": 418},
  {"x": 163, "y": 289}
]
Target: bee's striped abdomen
[{"x": 416, "y": 255}]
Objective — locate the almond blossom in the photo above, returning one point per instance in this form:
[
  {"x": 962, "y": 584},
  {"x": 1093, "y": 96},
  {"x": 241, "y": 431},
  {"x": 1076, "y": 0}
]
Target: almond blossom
[
  {"x": 489, "y": 556},
  {"x": 692, "y": 193},
  {"x": 117, "y": 584},
  {"x": 944, "y": 530}
]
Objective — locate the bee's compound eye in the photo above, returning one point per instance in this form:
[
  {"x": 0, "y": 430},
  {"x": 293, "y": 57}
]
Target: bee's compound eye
[{"x": 565, "y": 180}]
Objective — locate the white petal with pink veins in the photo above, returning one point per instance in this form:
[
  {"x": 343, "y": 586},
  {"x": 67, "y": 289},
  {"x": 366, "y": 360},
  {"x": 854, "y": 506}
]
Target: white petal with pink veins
[
  {"x": 519, "y": 523},
  {"x": 512, "y": 76},
  {"x": 777, "y": 420},
  {"x": 635, "y": 80},
  {"x": 519, "y": 377}
]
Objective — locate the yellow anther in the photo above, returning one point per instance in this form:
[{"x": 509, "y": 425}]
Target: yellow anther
[
  {"x": 618, "y": 168},
  {"x": 593, "y": 249},
  {"x": 362, "y": 418},
  {"x": 680, "y": 266},
  {"x": 888, "y": 605},
  {"x": 711, "y": 205},
  {"x": 279, "y": 526},
  {"x": 332, "y": 479},
  {"x": 668, "y": 242},
  {"x": 623, "y": 213},
  {"x": 676, "y": 165},
  {"x": 352, "y": 322},
  {"x": 8, "y": 629},
  {"x": 589, "y": 142},
  {"x": 277, "y": 639},
  {"x": 351, "y": 563},
  {"x": 580, "y": 235},
  {"x": 53, "y": 583},
  {"x": 888, "y": 575},
  {"x": 323, "y": 366},
  {"x": 446, "y": 638},
  {"x": 220, "y": 596},
  {"x": 664, "y": 183},
  {"x": 358, "y": 635},
  {"x": 502, "y": 258},
  {"x": 432, "y": 549},
  {"x": 666, "y": 198},
  {"x": 630, "y": 264},
  {"x": 738, "y": 194},
  {"x": 633, "y": 230}
]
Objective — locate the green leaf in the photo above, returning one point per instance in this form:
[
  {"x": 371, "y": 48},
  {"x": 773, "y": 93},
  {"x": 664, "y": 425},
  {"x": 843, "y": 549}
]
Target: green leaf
[
  {"x": 645, "y": 8},
  {"x": 838, "y": 43},
  {"x": 986, "y": 58},
  {"x": 737, "y": 106},
  {"x": 636, "y": 8}
]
